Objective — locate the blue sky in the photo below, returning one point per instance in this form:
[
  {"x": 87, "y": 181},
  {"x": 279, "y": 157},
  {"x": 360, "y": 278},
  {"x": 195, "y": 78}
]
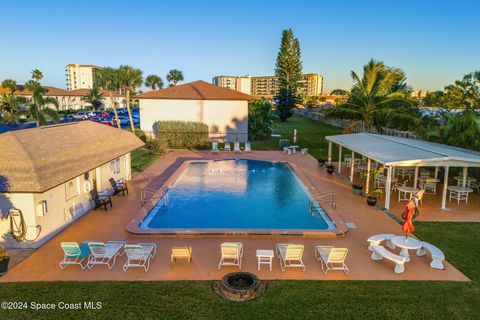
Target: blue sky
[{"x": 434, "y": 42}]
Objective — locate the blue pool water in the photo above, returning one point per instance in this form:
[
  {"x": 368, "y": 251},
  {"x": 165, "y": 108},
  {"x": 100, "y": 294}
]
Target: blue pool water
[{"x": 243, "y": 194}]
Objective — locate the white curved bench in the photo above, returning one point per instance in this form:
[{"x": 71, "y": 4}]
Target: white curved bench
[
  {"x": 378, "y": 238},
  {"x": 379, "y": 252},
  {"x": 437, "y": 255}
]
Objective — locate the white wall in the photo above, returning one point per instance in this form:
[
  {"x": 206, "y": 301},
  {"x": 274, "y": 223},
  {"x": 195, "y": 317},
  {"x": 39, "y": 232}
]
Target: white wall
[
  {"x": 62, "y": 208},
  {"x": 223, "y": 116}
]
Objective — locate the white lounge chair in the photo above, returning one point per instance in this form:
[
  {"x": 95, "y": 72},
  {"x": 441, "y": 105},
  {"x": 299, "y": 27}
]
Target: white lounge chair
[
  {"x": 74, "y": 254},
  {"x": 214, "y": 147},
  {"x": 139, "y": 255},
  {"x": 232, "y": 253},
  {"x": 379, "y": 252},
  {"x": 379, "y": 238},
  {"x": 331, "y": 258},
  {"x": 227, "y": 146},
  {"x": 236, "y": 147},
  {"x": 290, "y": 255},
  {"x": 151, "y": 247},
  {"x": 248, "y": 147},
  {"x": 102, "y": 253},
  {"x": 437, "y": 255}
]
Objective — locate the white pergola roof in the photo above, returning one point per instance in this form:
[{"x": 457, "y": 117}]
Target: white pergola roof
[{"x": 395, "y": 151}]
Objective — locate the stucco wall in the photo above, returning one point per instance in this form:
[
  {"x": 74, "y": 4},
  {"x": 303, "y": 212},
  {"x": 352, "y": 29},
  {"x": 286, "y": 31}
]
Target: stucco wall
[
  {"x": 222, "y": 116},
  {"x": 63, "y": 207}
]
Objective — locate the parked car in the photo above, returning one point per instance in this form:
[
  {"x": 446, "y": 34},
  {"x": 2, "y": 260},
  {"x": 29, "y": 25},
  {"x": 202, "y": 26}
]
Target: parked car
[
  {"x": 101, "y": 114},
  {"x": 79, "y": 116}
]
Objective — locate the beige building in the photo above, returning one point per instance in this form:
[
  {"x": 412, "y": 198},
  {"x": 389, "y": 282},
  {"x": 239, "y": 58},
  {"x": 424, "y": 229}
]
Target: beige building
[
  {"x": 80, "y": 76},
  {"x": 225, "y": 111},
  {"x": 241, "y": 84},
  {"x": 311, "y": 84},
  {"x": 420, "y": 94},
  {"x": 47, "y": 187},
  {"x": 72, "y": 99}
]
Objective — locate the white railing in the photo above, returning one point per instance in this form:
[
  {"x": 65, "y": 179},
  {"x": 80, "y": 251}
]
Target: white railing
[
  {"x": 150, "y": 195},
  {"x": 323, "y": 197}
]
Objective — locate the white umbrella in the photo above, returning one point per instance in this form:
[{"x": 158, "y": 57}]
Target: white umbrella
[{"x": 295, "y": 136}]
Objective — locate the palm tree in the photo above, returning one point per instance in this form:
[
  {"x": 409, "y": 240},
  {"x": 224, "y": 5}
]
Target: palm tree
[
  {"x": 174, "y": 76},
  {"x": 37, "y": 75},
  {"x": 9, "y": 84},
  {"x": 380, "y": 96},
  {"x": 39, "y": 106},
  {"x": 154, "y": 82},
  {"x": 107, "y": 78},
  {"x": 9, "y": 107},
  {"x": 94, "y": 97},
  {"x": 129, "y": 79}
]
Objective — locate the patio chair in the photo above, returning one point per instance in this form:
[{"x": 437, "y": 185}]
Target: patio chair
[
  {"x": 214, "y": 147},
  {"x": 227, "y": 146},
  {"x": 331, "y": 258},
  {"x": 430, "y": 185},
  {"x": 118, "y": 186},
  {"x": 396, "y": 185},
  {"x": 74, "y": 254},
  {"x": 99, "y": 200},
  {"x": 121, "y": 244},
  {"x": 184, "y": 253},
  {"x": 290, "y": 256},
  {"x": 232, "y": 253},
  {"x": 102, "y": 253},
  {"x": 418, "y": 197},
  {"x": 248, "y": 147},
  {"x": 475, "y": 185},
  {"x": 425, "y": 174},
  {"x": 139, "y": 255},
  {"x": 236, "y": 147}
]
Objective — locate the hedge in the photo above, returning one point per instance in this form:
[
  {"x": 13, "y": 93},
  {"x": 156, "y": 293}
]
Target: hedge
[{"x": 182, "y": 134}]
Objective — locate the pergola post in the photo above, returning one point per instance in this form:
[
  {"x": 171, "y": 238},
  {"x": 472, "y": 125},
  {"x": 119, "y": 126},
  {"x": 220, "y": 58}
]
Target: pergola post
[
  {"x": 329, "y": 159},
  {"x": 416, "y": 177},
  {"x": 339, "y": 158},
  {"x": 352, "y": 166},
  {"x": 388, "y": 187},
  {"x": 445, "y": 188},
  {"x": 436, "y": 172},
  {"x": 369, "y": 161},
  {"x": 464, "y": 178}
]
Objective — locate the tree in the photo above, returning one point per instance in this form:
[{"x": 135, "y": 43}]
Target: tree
[
  {"x": 464, "y": 93},
  {"x": 9, "y": 107},
  {"x": 289, "y": 72},
  {"x": 174, "y": 76},
  {"x": 129, "y": 79},
  {"x": 39, "y": 108},
  {"x": 379, "y": 97},
  {"x": 260, "y": 118},
  {"x": 107, "y": 78},
  {"x": 94, "y": 98},
  {"x": 37, "y": 75},
  {"x": 9, "y": 84},
  {"x": 154, "y": 82}
]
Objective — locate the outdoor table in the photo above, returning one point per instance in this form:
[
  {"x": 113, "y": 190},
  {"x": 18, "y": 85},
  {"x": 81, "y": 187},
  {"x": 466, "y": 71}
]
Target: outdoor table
[
  {"x": 106, "y": 192},
  {"x": 424, "y": 179},
  {"x": 405, "y": 190},
  {"x": 459, "y": 193},
  {"x": 384, "y": 180},
  {"x": 265, "y": 257},
  {"x": 294, "y": 148},
  {"x": 406, "y": 243},
  {"x": 404, "y": 171}
]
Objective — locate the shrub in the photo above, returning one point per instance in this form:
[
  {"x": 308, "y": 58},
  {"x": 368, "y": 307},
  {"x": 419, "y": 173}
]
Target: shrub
[
  {"x": 260, "y": 117},
  {"x": 141, "y": 135},
  {"x": 157, "y": 146},
  {"x": 3, "y": 253},
  {"x": 182, "y": 134}
]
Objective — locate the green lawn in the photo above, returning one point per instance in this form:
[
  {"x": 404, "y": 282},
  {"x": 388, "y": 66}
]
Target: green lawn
[
  {"x": 310, "y": 134},
  {"x": 142, "y": 158},
  {"x": 283, "y": 299}
]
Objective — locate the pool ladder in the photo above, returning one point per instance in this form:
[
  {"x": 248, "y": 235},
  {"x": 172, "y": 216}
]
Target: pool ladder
[
  {"x": 150, "y": 195},
  {"x": 323, "y": 197}
]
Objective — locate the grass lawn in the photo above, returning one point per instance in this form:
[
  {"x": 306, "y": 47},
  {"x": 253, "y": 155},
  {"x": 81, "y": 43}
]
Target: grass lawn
[
  {"x": 283, "y": 299},
  {"x": 310, "y": 134},
  {"x": 142, "y": 158}
]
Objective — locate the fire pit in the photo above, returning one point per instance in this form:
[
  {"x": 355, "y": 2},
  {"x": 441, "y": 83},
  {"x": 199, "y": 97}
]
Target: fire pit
[{"x": 239, "y": 286}]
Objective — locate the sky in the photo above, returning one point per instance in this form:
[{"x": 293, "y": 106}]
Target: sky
[{"x": 434, "y": 42}]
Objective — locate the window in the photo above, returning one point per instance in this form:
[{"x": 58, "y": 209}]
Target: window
[
  {"x": 42, "y": 208},
  {"x": 115, "y": 166},
  {"x": 72, "y": 188}
]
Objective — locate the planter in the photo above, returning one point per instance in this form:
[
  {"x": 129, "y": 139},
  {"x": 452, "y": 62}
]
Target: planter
[
  {"x": 4, "y": 266},
  {"x": 357, "y": 189},
  {"x": 321, "y": 162},
  {"x": 330, "y": 170},
  {"x": 371, "y": 201}
]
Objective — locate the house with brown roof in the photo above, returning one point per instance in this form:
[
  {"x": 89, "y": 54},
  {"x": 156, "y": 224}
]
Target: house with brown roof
[
  {"x": 225, "y": 111},
  {"x": 46, "y": 174}
]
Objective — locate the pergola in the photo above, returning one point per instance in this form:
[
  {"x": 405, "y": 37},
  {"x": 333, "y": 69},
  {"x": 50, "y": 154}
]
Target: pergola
[{"x": 394, "y": 152}]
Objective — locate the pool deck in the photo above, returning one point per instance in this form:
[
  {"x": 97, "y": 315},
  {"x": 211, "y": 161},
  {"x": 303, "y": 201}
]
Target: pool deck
[{"x": 42, "y": 265}]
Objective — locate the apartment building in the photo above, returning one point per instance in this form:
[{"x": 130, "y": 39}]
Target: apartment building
[
  {"x": 80, "y": 76},
  {"x": 238, "y": 83},
  {"x": 420, "y": 94}
]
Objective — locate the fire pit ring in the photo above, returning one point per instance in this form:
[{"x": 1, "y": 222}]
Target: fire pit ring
[{"x": 239, "y": 286}]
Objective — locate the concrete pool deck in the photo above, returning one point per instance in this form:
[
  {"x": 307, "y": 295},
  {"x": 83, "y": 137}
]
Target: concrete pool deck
[{"x": 99, "y": 225}]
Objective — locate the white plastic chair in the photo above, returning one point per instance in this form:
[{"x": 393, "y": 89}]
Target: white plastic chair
[
  {"x": 290, "y": 256},
  {"x": 232, "y": 253}
]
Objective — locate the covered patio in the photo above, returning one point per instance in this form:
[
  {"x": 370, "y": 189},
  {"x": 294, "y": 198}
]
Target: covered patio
[{"x": 410, "y": 166}]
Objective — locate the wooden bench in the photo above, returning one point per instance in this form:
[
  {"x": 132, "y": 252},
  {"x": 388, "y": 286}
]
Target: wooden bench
[
  {"x": 378, "y": 238},
  {"x": 437, "y": 255},
  {"x": 379, "y": 252}
]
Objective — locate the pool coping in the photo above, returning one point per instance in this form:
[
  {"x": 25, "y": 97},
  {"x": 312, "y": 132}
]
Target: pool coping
[{"x": 134, "y": 225}]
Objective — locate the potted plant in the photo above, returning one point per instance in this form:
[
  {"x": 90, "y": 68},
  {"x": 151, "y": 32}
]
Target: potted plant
[
  {"x": 4, "y": 259},
  {"x": 321, "y": 162},
  {"x": 372, "y": 196},
  {"x": 373, "y": 193},
  {"x": 330, "y": 168},
  {"x": 357, "y": 189}
]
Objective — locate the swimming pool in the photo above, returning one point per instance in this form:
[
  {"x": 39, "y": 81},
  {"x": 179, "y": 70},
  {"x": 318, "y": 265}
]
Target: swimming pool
[{"x": 237, "y": 195}]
